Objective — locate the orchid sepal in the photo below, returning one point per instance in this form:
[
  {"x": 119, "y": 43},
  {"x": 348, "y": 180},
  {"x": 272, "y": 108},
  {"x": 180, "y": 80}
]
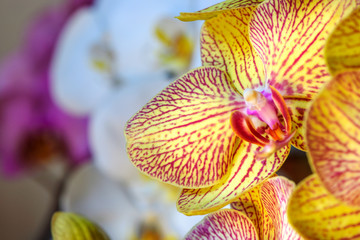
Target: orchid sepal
[
  {"x": 213, "y": 11},
  {"x": 316, "y": 214}
]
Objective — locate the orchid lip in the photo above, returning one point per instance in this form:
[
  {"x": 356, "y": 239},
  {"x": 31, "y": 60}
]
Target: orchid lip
[{"x": 265, "y": 106}]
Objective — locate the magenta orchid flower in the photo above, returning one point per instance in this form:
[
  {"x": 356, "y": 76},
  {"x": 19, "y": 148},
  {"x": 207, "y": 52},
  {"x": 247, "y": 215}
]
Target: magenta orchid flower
[{"x": 33, "y": 128}]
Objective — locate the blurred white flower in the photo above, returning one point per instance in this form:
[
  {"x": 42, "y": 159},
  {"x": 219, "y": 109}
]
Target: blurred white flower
[
  {"x": 107, "y": 124},
  {"x": 124, "y": 212},
  {"x": 111, "y": 59},
  {"x": 111, "y": 43}
]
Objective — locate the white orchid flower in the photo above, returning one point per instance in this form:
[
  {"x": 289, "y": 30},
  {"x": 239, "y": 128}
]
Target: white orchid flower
[
  {"x": 111, "y": 59},
  {"x": 111, "y": 42},
  {"x": 124, "y": 212}
]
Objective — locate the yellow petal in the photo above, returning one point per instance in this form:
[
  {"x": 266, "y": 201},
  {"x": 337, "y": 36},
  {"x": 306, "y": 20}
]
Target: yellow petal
[
  {"x": 290, "y": 38},
  {"x": 225, "y": 44},
  {"x": 297, "y": 107},
  {"x": 246, "y": 173},
  {"x": 343, "y": 46},
  {"x": 250, "y": 204},
  {"x": 316, "y": 214},
  {"x": 71, "y": 226},
  {"x": 225, "y": 224},
  {"x": 183, "y": 136},
  {"x": 275, "y": 193},
  {"x": 266, "y": 206},
  {"x": 333, "y": 136},
  {"x": 214, "y": 10}
]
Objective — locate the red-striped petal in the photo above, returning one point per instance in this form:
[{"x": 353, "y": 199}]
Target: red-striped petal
[
  {"x": 226, "y": 224},
  {"x": 343, "y": 46},
  {"x": 266, "y": 206},
  {"x": 290, "y": 37},
  {"x": 251, "y": 204},
  {"x": 225, "y": 44},
  {"x": 246, "y": 172},
  {"x": 316, "y": 214},
  {"x": 183, "y": 136},
  {"x": 333, "y": 136}
]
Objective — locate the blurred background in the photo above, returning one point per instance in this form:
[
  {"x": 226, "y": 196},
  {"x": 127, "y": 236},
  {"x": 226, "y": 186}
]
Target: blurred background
[
  {"x": 72, "y": 72},
  {"x": 66, "y": 69},
  {"x": 24, "y": 204}
]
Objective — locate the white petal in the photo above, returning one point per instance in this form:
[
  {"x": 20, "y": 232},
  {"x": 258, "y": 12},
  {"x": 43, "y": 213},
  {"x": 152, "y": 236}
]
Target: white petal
[
  {"x": 133, "y": 35},
  {"x": 90, "y": 193},
  {"x": 160, "y": 199},
  {"x": 108, "y": 122},
  {"x": 76, "y": 85},
  {"x": 120, "y": 210}
]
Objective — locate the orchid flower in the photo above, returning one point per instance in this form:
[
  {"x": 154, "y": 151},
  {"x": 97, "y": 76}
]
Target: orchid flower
[
  {"x": 224, "y": 128},
  {"x": 326, "y": 205},
  {"x": 332, "y": 124},
  {"x": 108, "y": 64},
  {"x": 124, "y": 212},
  {"x": 257, "y": 214},
  {"x": 43, "y": 32},
  {"x": 105, "y": 46},
  {"x": 33, "y": 128},
  {"x": 316, "y": 214}
]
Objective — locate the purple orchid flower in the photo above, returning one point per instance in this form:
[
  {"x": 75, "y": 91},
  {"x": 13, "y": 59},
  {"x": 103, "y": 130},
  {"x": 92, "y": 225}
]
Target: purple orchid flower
[
  {"x": 33, "y": 128},
  {"x": 43, "y": 32}
]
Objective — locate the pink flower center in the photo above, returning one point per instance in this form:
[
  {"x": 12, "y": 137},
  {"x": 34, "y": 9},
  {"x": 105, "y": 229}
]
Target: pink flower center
[{"x": 270, "y": 108}]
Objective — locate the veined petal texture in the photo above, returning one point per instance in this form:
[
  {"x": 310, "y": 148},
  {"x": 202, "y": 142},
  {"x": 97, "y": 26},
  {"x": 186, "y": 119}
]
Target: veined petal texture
[
  {"x": 316, "y": 214},
  {"x": 225, "y": 43},
  {"x": 290, "y": 37},
  {"x": 266, "y": 206},
  {"x": 183, "y": 136},
  {"x": 226, "y": 224},
  {"x": 246, "y": 173},
  {"x": 333, "y": 136},
  {"x": 275, "y": 194},
  {"x": 251, "y": 204},
  {"x": 343, "y": 46}
]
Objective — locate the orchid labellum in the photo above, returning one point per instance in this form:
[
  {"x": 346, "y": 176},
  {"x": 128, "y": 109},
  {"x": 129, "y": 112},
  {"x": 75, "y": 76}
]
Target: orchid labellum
[{"x": 224, "y": 128}]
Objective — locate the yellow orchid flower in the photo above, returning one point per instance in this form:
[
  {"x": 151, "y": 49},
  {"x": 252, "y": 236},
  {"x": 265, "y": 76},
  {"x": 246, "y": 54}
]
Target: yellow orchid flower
[
  {"x": 326, "y": 205},
  {"x": 224, "y": 128},
  {"x": 333, "y": 122},
  {"x": 316, "y": 214},
  {"x": 258, "y": 214}
]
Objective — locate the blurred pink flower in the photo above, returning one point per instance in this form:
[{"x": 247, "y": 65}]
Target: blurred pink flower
[
  {"x": 43, "y": 32},
  {"x": 33, "y": 128}
]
